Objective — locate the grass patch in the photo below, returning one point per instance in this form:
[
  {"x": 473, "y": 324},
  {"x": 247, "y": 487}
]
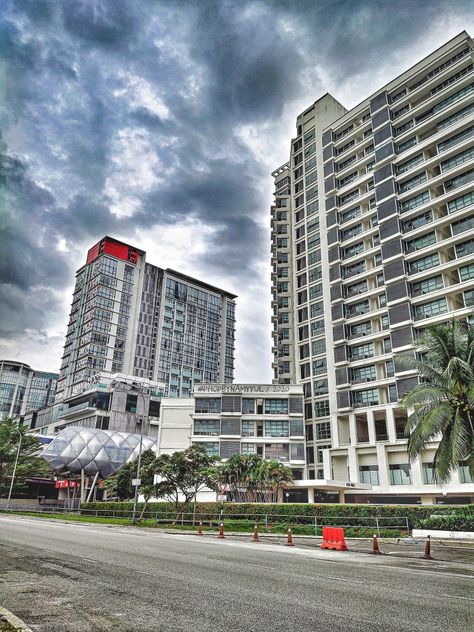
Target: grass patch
[
  {"x": 6, "y": 626},
  {"x": 235, "y": 526}
]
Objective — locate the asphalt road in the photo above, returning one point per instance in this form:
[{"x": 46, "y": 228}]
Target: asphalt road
[{"x": 69, "y": 577}]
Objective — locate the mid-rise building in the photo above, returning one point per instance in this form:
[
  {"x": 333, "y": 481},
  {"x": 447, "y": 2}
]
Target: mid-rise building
[
  {"x": 131, "y": 317},
  {"x": 372, "y": 239},
  {"x": 23, "y": 389}
]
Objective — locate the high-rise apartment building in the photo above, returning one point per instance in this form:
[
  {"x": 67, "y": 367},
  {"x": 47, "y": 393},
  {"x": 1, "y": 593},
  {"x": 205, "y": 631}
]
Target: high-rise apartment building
[
  {"x": 372, "y": 239},
  {"x": 130, "y": 317},
  {"x": 23, "y": 389}
]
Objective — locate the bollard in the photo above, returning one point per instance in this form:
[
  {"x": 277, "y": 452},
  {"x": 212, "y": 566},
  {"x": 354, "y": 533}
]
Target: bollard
[
  {"x": 199, "y": 531},
  {"x": 221, "y": 535},
  {"x": 427, "y": 555},
  {"x": 290, "y": 539},
  {"x": 255, "y": 534},
  {"x": 375, "y": 545}
]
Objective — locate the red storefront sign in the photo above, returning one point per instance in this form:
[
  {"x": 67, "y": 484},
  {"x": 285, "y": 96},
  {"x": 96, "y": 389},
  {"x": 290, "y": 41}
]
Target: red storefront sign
[{"x": 64, "y": 484}]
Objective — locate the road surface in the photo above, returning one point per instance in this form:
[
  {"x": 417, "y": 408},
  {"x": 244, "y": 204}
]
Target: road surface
[{"x": 73, "y": 577}]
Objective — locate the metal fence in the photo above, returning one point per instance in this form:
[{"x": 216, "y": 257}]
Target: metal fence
[{"x": 269, "y": 523}]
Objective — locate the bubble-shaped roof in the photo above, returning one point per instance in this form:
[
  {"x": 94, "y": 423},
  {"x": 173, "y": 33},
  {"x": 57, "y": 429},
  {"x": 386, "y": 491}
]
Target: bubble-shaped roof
[{"x": 93, "y": 450}]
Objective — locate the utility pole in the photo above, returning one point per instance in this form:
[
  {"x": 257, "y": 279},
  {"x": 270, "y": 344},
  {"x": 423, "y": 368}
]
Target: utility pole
[{"x": 14, "y": 467}]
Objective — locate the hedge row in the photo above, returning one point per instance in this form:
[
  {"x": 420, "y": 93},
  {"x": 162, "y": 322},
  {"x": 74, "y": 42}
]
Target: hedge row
[{"x": 417, "y": 515}]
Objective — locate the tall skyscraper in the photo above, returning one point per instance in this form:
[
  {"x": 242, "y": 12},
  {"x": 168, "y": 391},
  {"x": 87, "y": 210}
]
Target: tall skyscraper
[
  {"x": 128, "y": 316},
  {"x": 372, "y": 239},
  {"x": 23, "y": 389}
]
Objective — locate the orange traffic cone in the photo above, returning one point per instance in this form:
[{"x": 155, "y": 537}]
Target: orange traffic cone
[
  {"x": 290, "y": 539},
  {"x": 427, "y": 555},
  {"x": 255, "y": 534},
  {"x": 199, "y": 531},
  {"x": 375, "y": 545},
  {"x": 221, "y": 531}
]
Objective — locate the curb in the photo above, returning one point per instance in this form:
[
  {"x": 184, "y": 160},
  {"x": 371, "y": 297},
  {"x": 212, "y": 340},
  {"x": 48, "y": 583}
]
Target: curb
[{"x": 18, "y": 624}]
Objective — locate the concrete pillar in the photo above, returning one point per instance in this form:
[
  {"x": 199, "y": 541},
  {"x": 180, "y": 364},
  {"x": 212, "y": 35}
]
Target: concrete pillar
[
  {"x": 341, "y": 496},
  {"x": 353, "y": 464},
  {"x": 311, "y": 494},
  {"x": 428, "y": 500},
  {"x": 382, "y": 462},
  {"x": 390, "y": 421},
  {"x": 416, "y": 472},
  {"x": 371, "y": 427},
  {"x": 352, "y": 429}
]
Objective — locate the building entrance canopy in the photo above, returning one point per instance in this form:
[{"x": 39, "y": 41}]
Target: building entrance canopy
[{"x": 95, "y": 451}]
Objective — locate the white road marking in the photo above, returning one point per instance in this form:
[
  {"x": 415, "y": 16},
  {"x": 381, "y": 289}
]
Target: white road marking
[
  {"x": 458, "y": 597},
  {"x": 88, "y": 559},
  {"x": 273, "y": 568}
]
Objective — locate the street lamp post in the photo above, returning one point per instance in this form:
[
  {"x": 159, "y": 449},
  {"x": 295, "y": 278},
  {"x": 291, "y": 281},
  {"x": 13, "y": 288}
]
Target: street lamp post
[
  {"x": 139, "y": 462},
  {"x": 14, "y": 467}
]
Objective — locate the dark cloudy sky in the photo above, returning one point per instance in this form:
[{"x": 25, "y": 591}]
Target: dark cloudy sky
[{"x": 159, "y": 123}]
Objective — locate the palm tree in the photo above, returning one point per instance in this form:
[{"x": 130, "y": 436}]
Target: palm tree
[
  {"x": 443, "y": 405},
  {"x": 252, "y": 479}
]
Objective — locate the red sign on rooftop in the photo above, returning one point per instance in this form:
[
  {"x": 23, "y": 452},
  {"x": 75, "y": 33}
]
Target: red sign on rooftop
[{"x": 115, "y": 249}]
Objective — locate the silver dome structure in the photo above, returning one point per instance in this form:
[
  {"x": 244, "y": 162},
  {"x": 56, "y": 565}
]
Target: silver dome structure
[{"x": 93, "y": 451}]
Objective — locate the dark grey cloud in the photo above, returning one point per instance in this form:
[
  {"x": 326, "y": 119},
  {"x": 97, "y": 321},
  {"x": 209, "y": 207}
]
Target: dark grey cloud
[{"x": 123, "y": 116}]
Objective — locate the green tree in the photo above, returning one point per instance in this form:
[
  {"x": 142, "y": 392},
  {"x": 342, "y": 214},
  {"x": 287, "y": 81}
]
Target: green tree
[
  {"x": 181, "y": 475},
  {"x": 443, "y": 406},
  {"x": 120, "y": 484},
  {"x": 29, "y": 464},
  {"x": 252, "y": 479}
]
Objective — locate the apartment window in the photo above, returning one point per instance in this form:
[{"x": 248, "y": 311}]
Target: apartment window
[
  {"x": 358, "y": 352},
  {"x": 314, "y": 257},
  {"x": 420, "y": 242},
  {"x": 384, "y": 322},
  {"x": 389, "y": 368},
  {"x": 457, "y": 116},
  {"x": 369, "y": 474},
  {"x": 210, "y": 427},
  {"x": 364, "y": 374},
  {"x": 461, "y": 202},
  {"x": 207, "y": 405},
  {"x": 283, "y": 287},
  {"x": 211, "y": 447},
  {"x": 400, "y": 474},
  {"x": 426, "y": 310},
  {"x": 362, "y": 329},
  {"x": 314, "y": 274},
  {"x": 409, "y": 164},
  {"x": 321, "y": 408},
  {"x": 323, "y": 430},
  {"x": 357, "y": 309},
  {"x": 309, "y": 151},
  {"x": 310, "y": 454},
  {"x": 464, "y": 249},
  {"x": 276, "y": 429},
  {"x": 285, "y": 334},
  {"x": 320, "y": 387},
  {"x": 413, "y": 202},
  {"x": 469, "y": 298},
  {"x": 466, "y": 273},
  {"x": 387, "y": 345},
  {"x": 310, "y": 164},
  {"x": 459, "y": 159},
  {"x": 428, "y": 473},
  {"x": 464, "y": 475},
  {"x": 276, "y": 406},
  {"x": 348, "y": 215},
  {"x": 457, "y": 138},
  {"x": 319, "y": 451},
  {"x": 353, "y": 231},
  {"x": 462, "y": 225},
  {"x": 312, "y": 225},
  {"x": 313, "y": 207},
  {"x": 312, "y": 177},
  {"x": 248, "y": 448},
  {"x": 356, "y": 288},
  {"x": 425, "y": 263},
  {"x": 319, "y": 346},
  {"x": 453, "y": 98},
  {"x": 319, "y": 366},
  {"x": 401, "y": 147},
  {"x": 315, "y": 291},
  {"x": 367, "y": 397},
  {"x": 248, "y": 428},
  {"x": 317, "y": 327},
  {"x": 416, "y": 222},
  {"x": 283, "y": 272},
  {"x": 426, "y": 286},
  {"x": 351, "y": 251},
  {"x": 131, "y": 403},
  {"x": 412, "y": 182},
  {"x": 357, "y": 268},
  {"x": 316, "y": 309}
]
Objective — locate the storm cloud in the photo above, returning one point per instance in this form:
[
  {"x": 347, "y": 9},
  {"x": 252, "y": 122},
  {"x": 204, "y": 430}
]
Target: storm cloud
[{"x": 158, "y": 123}]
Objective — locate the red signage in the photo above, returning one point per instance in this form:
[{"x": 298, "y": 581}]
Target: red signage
[
  {"x": 115, "y": 249},
  {"x": 64, "y": 484}
]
